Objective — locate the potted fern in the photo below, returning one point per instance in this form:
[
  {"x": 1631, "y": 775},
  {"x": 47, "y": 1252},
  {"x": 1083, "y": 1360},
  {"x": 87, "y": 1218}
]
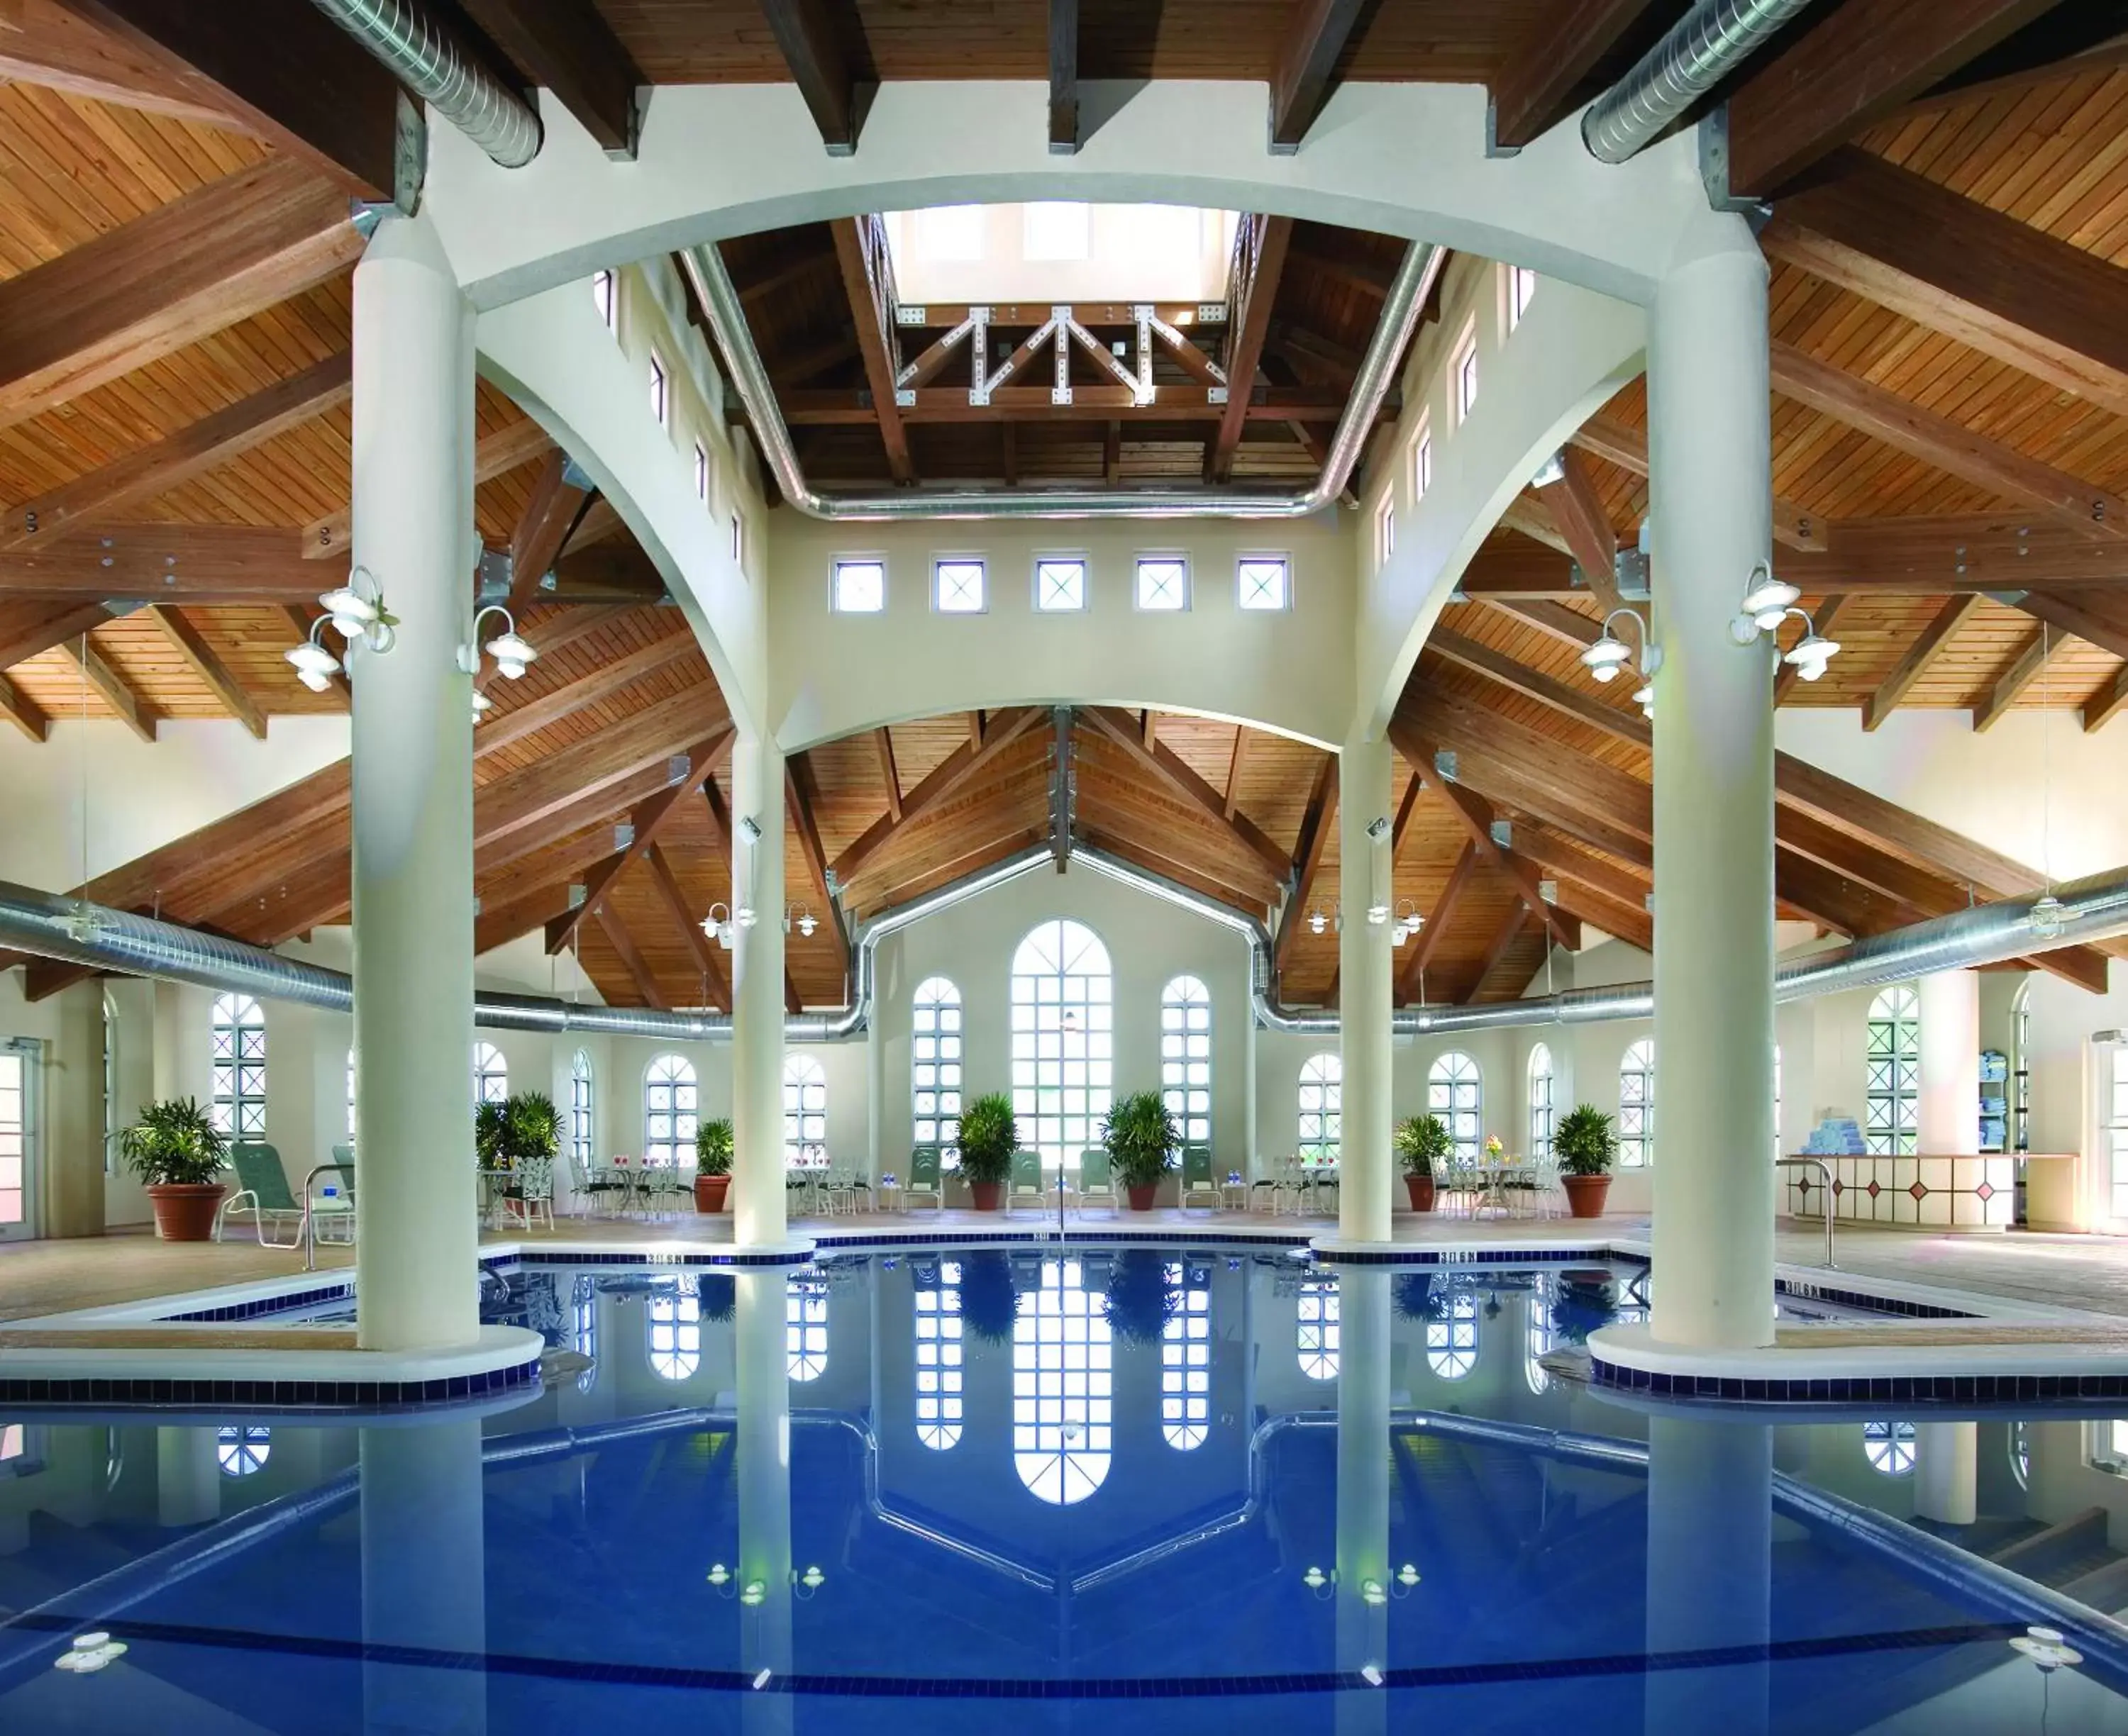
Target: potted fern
[
  {"x": 1140, "y": 1139},
  {"x": 177, "y": 1152},
  {"x": 713, "y": 1162},
  {"x": 532, "y": 1127},
  {"x": 1421, "y": 1142},
  {"x": 1586, "y": 1148},
  {"x": 989, "y": 1137}
]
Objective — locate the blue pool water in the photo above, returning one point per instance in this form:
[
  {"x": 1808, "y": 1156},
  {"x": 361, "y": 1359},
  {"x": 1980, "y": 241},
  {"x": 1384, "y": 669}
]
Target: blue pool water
[{"x": 1145, "y": 1488}]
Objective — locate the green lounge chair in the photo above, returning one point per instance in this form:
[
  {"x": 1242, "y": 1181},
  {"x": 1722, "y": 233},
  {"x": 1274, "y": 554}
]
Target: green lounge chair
[
  {"x": 1026, "y": 1187},
  {"x": 263, "y": 1184},
  {"x": 1197, "y": 1182},
  {"x": 1096, "y": 1182},
  {"x": 923, "y": 1180}
]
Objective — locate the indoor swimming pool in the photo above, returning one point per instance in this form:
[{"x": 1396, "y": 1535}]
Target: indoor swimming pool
[{"x": 1159, "y": 1487}]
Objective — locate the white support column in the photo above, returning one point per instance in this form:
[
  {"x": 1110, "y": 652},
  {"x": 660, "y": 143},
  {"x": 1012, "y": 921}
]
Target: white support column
[
  {"x": 424, "y": 1578},
  {"x": 1948, "y": 1111},
  {"x": 1709, "y": 1481},
  {"x": 1711, "y": 491},
  {"x": 416, "y": 1249},
  {"x": 1364, "y": 1461},
  {"x": 1947, "y": 1471},
  {"x": 1365, "y": 989},
  {"x": 758, "y": 1204}
]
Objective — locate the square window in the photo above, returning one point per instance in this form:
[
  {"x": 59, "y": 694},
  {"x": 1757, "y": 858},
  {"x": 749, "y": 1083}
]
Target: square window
[
  {"x": 1521, "y": 286},
  {"x": 950, "y": 232},
  {"x": 661, "y": 390},
  {"x": 1054, "y": 230},
  {"x": 1263, "y": 581},
  {"x": 606, "y": 297},
  {"x": 701, "y": 472},
  {"x": 956, "y": 587},
  {"x": 1384, "y": 530},
  {"x": 1060, "y": 584},
  {"x": 1422, "y": 464},
  {"x": 860, "y": 587},
  {"x": 1163, "y": 583},
  {"x": 738, "y": 539},
  {"x": 1463, "y": 375}
]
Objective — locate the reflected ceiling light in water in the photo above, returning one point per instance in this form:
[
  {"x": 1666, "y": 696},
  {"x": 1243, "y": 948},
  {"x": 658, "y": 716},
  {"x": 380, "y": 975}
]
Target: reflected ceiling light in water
[
  {"x": 720, "y": 1575},
  {"x": 1373, "y": 1591},
  {"x": 2044, "y": 1646},
  {"x": 1407, "y": 1575},
  {"x": 1371, "y": 1674},
  {"x": 761, "y": 1681},
  {"x": 92, "y": 1652},
  {"x": 755, "y": 1593}
]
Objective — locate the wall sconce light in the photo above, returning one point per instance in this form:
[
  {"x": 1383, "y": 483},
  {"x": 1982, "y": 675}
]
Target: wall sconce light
[
  {"x": 1319, "y": 919},
  {"x": 1768, "y": 601},
  {"x": 1812, "y": 651},
  {"x": 802, "y": 916},
  {"x": 357, "y": 612},
  {"x": 513, "y": 655},
  {"x": 1410, "y": 919},
  {"x": 1610, "y": 654},
  {"x": 315, "y": 667},
  {"x": 720, "y": 928}
]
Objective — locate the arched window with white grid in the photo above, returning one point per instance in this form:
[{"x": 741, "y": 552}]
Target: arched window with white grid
[
  {"x": 934, "y": 1064},
  {"x": 1893, "y": 1122},
  {"x": 1543, "y": 1110},
  {"x": 805, "y": 1326},
  {"x": 672, "y": 1103},
  {"x": 1890, "y": 1447},
  {"x": 1063, "y": 1390},
  {"x": 580, "y": 1109},
  {"x": 938, "y": 1342},
  {"x": 1637, "y": 1105},
  {"x": 1186, "y": 1360},
  {"x": 674, "y": 1323},
  {"x": 1315, "y": 1328},
  {"x": 239, "y": 1028},
  {"x": 1186, "y": 1058},
  {"x": 1451, "y": 1341},
  {"x": 1322, "y": 1109},
  {"x": 804, "y": 1114},
  {"x": 1456, "y": 1092},
  {"x": 491, "y": 1076},
  {"x": 1063, "y": 1042}
]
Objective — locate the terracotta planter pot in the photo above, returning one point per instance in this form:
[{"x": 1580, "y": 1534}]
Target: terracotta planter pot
[
  {"x": 709, "y": 1191},
  {"x": 1140, "y": 1198},
  {"x": 184, "y": 1211},
  {"x": 985, "y": 1195},
  {"x": 1421, "y": 1190},
  {"x": 1585, "y": 1195}
]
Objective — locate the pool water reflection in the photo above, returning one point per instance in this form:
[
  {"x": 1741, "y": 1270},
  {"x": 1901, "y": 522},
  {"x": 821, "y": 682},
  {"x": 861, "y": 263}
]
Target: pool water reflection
[{"x": 1164, "y": 1488}]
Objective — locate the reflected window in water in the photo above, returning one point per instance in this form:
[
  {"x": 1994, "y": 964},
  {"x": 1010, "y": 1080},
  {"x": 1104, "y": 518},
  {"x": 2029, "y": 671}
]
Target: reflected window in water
[
  {"x": 1061, "y": 1387},
  {"x": 2020, "y": 1453},
  {"x": 14, "y": 1442},
  {"x": 805, "y": 1327},
  {"x": 584, "y": 1334},
  {"x": 241, "y": 1450},
  {"x": 1889, "y": 1447},
  {"x": 1185, "y": 1361},
  {"x": 1451, "y": 1341},
  {"x": 938, "y": 1358},
  {"x": 676, "y": 1334},
  {"x": 1316, "y": 1328},
  {"x": 1539, "y": 1336}
]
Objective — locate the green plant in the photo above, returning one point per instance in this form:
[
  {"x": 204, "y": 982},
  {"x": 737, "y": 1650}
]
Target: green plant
[
  {"x": 713, "y": 1148},
  {"x": 1142, "y": 1297},
  {"x": 1140, "y": 1139},
  {"x": 534, "y": 1126},
  {"x": 1423, "y": 1142},
  {"x": 174, "y": 1143},
  {"x": 990, "y": 1298},
  {"x": 1583, "y": 1141},
  {"x": 716, "y": 1296},
  {"x": 989, "y": 1137},
  {"x": 1413, "y": 1296},
  {"x": 491, "y": 1134}
]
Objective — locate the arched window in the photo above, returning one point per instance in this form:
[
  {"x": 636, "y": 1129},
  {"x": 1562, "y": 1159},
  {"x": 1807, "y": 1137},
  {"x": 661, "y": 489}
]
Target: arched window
[
  {"x": 1543, "y": 1115},
  {"x": 1539, "y": 1336},
  {"x": 1893, "y": 1121},
  {"x": 1185, "y": 1057},
  {"x": 805, "y": 1325},
  {"x": 2020, "y": 1068},
  {"x": 804, "y": 1114},
  {"x": 676, "y": 1332},
  {"x": 934, "y": 1064},
  {"x": 240, "y": 1067},
  {"x": 1456, "y": 1092},
  {"x": 580, "y": 1108},
  {"x": 1062, "y": 1041},
  {"x": 1889, "y": 1447},
  {"x": 1637, "y": 1105},
  {"x": 1322, "y": 1108},
  {"x": 584, "y": 1337},
  {"x": 671, "y": 1103},
  {"x": 491, "y": 1075},
  {"x": 1315, "y": 1328},
  {"x": 109, "y": 1085},
  {"x": 938, "y": 1356},
  {"x": 1186, "y": 1360},
  {"x": 240, "y": 1450},
  {"x": 2020, "y": 1453},
  {"x": 1063, "y": 1393},
  {"x": 1451, "y": 1341},
  {"x": 1777, "y": 1103}
]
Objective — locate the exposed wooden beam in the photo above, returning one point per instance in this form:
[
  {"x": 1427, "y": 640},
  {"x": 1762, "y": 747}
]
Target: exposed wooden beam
[
  {"x": 207, "y": 663},
  {"x": 1307, "y": 69},
  {"x": 1063, "y": 76},
  {"x": 890, "y": 774},
  {"x": 2023, "y": 667},
  {"x": 1554, "y": 620},
  {"x": 1914, "y": 661},
  {"x": 499, "y": 728},
  {"x": 807, "y": 33},
  {"x": 845, "y": 406},
  {"x": 1551, "y": 60},
  {"x": 1510, "y": 931},
  {"x": 1413, "y": 973},
  {"x": 2093, "y": 616},
  {"x": 867, "y": 310},
  {"x": 1406, "y": 808},
  {"x": 1252, "y": 319},
  {"x": 1826, "y": 621},
  {"x": 624, "y": 944},
  {"x": 28, "y": 631},
  {"x": 800, "y": 793},
  {"x": 1234, "y": 765},
  {"x": 550, "y": 512},
  {"x": 1956, "y": 266},
  {"x": 1318, "y": 821},
  {"x": 135, "y": 710},
  {"x": 1168, "y": 765},
  {"x": 2063, "y": 43},
  {"x": 699, "y": 947},
  {"x": 44, "y": 42},
  {"x": 1626, "y": 726},
  {"x": 1621, "y": 443},
  {"x": 1852, "y": 67},
  {"x": 286, "y": 74},
  {"x": 493, "y": 455},
  {"x": 2100, "y": 709},
  {"x": 23, "y": 712},
  {"x": 566, "y": 46},
  {"x": 199, "y": 264},
  {"x": 957, "y": 767},
  {"x": 1112, "y": 453},
  {"x": 1577, "y": 508}
]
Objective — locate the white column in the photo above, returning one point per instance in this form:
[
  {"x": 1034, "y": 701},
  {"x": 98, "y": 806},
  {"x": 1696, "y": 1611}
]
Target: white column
[
  {"x": 1365, "y": 987},
  {"x": 762, "y": 1470},
  {"x": 875, "y": 1095},
  {"x": 1709, "y": 1573},
  {"x": 1950, "y": 1107},
  {"x": 417, "y": 1238},
  {"x": 1364, "y": 1459},
  {"x": 188, "y": 1476},
  {"x": 1947, "y": 1471},
  {"x": 1711, "y": 491},
  {"x": 424, "y": 1578},
  {"x": 758, "y": 1213}
]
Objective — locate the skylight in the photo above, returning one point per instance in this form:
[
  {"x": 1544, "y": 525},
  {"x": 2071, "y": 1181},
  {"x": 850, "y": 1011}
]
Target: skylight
[{"x": 1059, "y": 251}]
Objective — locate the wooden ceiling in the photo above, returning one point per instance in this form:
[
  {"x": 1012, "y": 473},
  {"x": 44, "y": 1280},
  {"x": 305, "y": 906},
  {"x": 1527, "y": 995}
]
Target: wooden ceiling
[{"x": 1949, "y": 235}]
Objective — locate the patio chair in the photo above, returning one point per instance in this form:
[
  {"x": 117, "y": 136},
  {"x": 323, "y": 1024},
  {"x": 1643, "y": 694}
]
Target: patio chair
[
  {"x": 264, "y": 1183},
  {"x": 529, "y": 1195},
  {"x": 663, "y": 1181},
  {"x": 1095, "y": 1181},
  {"x": 593, "y": 1186},
  {"x": 923, "y": 1180},
  {"x": 1197, "y": 1182},
  {"x": 1026, "y": 1188}
]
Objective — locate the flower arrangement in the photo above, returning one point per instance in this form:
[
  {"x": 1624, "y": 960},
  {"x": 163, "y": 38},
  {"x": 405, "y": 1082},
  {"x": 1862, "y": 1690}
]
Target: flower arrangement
[{"x": 1493, "y": 1148}]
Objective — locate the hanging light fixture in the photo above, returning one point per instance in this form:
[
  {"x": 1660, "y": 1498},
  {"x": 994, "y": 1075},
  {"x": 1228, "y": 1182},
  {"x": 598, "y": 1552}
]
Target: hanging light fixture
[
  {"x": 1766, "y": 600},
  {"x": 315, "y": 666},
  {"x": 1317, "y": 921},
  {"x": 1409, "y": 920},
  {"x": 357, "y": 611},
  {"x": 720, "y": 928},
  {"x": 1812, "y": 651},
  {"x": 1610, "y": 654},
  {"x": 513, "y": 654},
  {"x": 801, "y": 917}
]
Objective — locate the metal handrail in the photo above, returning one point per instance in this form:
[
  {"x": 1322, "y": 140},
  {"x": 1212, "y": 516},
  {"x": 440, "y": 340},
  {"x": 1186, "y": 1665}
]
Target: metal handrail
[
  {"x": 310, "y": 1219},
  {"x": 1831, "y": 1199}
]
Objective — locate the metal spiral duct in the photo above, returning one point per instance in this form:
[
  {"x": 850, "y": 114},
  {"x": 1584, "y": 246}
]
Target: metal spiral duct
[
  {"x": 1701, "y": 50},
  {"x": 719, "y": 299},
  {"x": 437, "y": 70}
]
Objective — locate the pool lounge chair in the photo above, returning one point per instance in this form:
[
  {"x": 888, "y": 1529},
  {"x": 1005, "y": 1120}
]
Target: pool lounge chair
[{"x": 264, "y": 1183}]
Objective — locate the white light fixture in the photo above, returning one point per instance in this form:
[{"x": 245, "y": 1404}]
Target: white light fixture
[
  {"x": 1766, "y": 598},
  {"x": 315, "y": 666},
  {"x": 1372, "y": 1592},
  {"x": 2045, "y": 1646},
  {"x": 720, "y": 928},
  {"x": 801, "y": 917},
  {"x": 2047, "y": 917},
  {"x": 1409, "y": 920},
  {"x": 357, "y": 612},
  {"x": 481, "y": 704},
  {"x": 1610, "y": 654},
  {"x": 1643, "y": 696},
  {"x": 513, "y": 655},
  {"x": 1810, "y": 653},
  {"x": 1377, "y": 914},
  {"x": 1317, "y": 921}
]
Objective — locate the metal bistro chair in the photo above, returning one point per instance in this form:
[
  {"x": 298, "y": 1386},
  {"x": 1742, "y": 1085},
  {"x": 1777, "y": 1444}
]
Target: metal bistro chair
[
  {"x": 529, "y": 1196},
  {"x": 1096, "y": 1183},
  {"x": 1197, "y": 1182},
  {"x": 1026, "y": 1188},
  {"x": 265, "y": 1185},
  {"x": 663, "y": 1181},
  {"x": 923, "y": 1182},
  {"x": 593, "y": 1186}
]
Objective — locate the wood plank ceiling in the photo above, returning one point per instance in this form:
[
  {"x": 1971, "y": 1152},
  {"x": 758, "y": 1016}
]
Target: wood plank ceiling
[{"x": 1951, "y": 449}]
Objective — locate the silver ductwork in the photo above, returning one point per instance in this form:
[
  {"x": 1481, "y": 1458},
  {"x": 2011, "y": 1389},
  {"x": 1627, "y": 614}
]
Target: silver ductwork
[
  {"x": 1401, "y": 309},
  {"x": 421, "y": 56},
  {"x": 1701, "y": 50}
]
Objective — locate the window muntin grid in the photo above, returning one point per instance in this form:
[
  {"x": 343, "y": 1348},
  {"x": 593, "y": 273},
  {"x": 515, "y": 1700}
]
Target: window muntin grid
[
  {"x": 1465, "y": 377},
  {"x": 1451, "y": 1341},
  {"x": 1456, "y": 1092},
  {"x": 804, "y": 1114},
  {"x": 1062, "y": 1040},
  {"x": 1315, "y": 1328},
  {"x": 958, "y": 587},
  {"x": 1062, "y": 1388},
  {"x": 938, "y": 1350},
  {"x": 671, "y": 1104},
  {"x": 491, "y": 1076},
  {"x": 2116, "y": 1128},
  {"x": 242, "y": 1449},
  {"x": 1892, "y": 1112},
  {"x": 605, "y": 297},
  {"x": 1163, "y": 583},
  {"x": 1539, "y": 1336},
  {"x": 1384, "y": 530},
  {"x": 239, "y": 1027},
  {"x": 859, "y": 587},
  {"x": 1185, "y": 1361},
  {"x": 1890, "y": 1447},
  {"x": 805, "y": 1326},
  {"x": 1637, "y": 1105},
  {"x": 1185, "y": 1057},
  {"x": 1543, "y": 1112},
  {"x": 1522, "y": 290},
  {"x": 934, "y": 1068},
  {"x": 661, "y": 390},
  {"x": 1059, "y": 585},
  {"x": 674, "y": 1326},
  {"x": 1422, "y": 464},
  {"x": 1264, "y": 581},
  {"x": 1322, "y": 1109},
  {"x": 580, "y": 1107}
]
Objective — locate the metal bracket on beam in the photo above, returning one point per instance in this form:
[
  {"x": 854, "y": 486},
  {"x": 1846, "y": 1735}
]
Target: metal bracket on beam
[
  {"x": 1503, "y": 833},
  {"x": 1215, "y": 395},
  {"x": 1211, "y": 313},
  {"x": 1060, "y": 392},
  {"x": 1444, "y": 763},
  {"x": 906, "y": 315},
  {"x": 493, "y": 576},
  {"x": 1629, "y": 570},
  {"x": 1714, "y": 172},
  {"x": 904, "y": 398},
  {"x": 575, "y": 476}
]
